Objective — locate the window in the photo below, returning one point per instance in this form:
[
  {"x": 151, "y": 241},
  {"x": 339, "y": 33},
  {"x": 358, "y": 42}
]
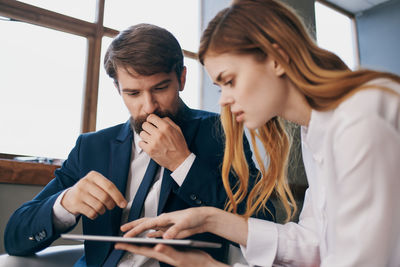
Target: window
[
  {"x": 336, "y": 33},
  {"x": 184, "y": 25},
  {"x": 110, "y": 107},
  {"x": 84, "y": 10},
  {"x": 40, "y": 89},
  {"x": 53, "y": 84}
]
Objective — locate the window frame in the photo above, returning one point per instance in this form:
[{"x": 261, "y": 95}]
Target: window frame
[
  {"x": 352, "y": 18},
  {"x": 10, "y": 169}
]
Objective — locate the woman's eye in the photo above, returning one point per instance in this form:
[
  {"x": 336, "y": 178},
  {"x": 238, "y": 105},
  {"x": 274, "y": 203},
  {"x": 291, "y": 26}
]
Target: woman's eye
[{"x": 228, "y": 83}]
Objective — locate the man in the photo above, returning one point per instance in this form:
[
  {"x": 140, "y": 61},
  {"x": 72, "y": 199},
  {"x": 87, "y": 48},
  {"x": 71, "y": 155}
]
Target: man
[{"x": 166, "y": 157}]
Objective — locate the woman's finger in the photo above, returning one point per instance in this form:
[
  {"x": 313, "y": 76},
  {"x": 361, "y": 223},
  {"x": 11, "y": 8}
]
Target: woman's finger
[
  {"x": 154, "y": 234},
  {"x": 129, "y": 225},
  {"x": 149, "y": 224}
]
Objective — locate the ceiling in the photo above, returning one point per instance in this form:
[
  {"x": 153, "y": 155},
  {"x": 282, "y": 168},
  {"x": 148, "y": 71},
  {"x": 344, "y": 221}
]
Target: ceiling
[{"x": 356, "y": 6}]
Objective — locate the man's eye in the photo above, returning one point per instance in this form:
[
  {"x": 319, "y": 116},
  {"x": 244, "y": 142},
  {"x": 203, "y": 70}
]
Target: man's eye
[
  {"x": 161, "y": 88},
  {"x": 133, "y": 93}
]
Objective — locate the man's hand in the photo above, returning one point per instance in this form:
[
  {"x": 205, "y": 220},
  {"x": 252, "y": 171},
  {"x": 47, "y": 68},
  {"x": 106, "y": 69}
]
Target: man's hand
[
  {"x": 164, "y": 142},
  {"x": 172, "y": 256},
  {"x": 92, "y": 195}
]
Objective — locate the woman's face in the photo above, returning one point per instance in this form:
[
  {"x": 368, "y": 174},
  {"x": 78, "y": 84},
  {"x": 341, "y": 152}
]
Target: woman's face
[{"x": 254, "y": 91}]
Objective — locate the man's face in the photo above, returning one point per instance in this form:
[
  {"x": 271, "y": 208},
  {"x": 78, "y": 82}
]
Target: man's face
[{"x": 144, "y": 95}]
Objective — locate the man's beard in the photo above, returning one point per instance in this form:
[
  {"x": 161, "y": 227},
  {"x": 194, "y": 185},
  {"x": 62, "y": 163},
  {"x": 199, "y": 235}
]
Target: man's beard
[{"x": 138, "y": 121}]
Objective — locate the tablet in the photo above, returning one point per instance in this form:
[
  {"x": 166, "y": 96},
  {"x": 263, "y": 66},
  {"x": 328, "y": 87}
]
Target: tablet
[{"x": 143, "y": 240}]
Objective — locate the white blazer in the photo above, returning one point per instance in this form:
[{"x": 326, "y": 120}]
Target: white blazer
[{"x": 351, "y": 212}]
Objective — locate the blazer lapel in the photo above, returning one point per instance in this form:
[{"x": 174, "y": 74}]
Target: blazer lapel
[{"x": 120, "y": 158}]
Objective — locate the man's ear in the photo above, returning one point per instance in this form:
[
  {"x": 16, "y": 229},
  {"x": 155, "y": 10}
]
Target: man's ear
[
  {"x": 117, "y": 86},
  {"x": 183, "y": 78},
  {"x": 279, "y": 70}
]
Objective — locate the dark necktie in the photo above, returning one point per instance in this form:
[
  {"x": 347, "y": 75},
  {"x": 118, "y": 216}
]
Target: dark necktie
[{"x": 136, "y": 208}]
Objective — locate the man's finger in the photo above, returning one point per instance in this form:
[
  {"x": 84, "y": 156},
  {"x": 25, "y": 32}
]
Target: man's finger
[
  {"x": 94, "y": 203},
  {"x": 145, "y": 146},
  {"x": 108, "y": 187},
  {"x": 101, "y": 196},
  {"x": 145, "y": 136},
  {"x": 155, "y": 120},
  {"x": 146, "y": 251},
  {"x": 88, "y": 211},
  {"x": 149, "y": 127},
  {"x": 172, "y": 123}
]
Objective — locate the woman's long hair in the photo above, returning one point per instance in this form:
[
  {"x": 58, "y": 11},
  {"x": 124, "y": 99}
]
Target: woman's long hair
[{"x": 255, "y": 27}]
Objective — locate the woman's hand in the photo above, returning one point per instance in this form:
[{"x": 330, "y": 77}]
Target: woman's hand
[
  {"x": 183, "y": 223},
  {"x": 178, "y": 224},
  {"x": 172, "y": 256}
]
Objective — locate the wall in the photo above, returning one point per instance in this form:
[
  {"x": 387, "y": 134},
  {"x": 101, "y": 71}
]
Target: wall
[
  {"x": 12, "y": 197},
  {"x": 209, "y": 92},
  {"x": 379, "y": 37}
]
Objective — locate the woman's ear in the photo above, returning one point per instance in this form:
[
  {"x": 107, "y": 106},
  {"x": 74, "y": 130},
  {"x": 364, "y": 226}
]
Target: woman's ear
[{"x": 279, "y": 70}]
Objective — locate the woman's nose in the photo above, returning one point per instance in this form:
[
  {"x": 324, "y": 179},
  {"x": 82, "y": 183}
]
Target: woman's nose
[{"x": 225, "y": 99}]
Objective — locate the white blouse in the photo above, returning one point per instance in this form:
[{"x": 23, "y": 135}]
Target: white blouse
[{"x": 351, "y": 212}]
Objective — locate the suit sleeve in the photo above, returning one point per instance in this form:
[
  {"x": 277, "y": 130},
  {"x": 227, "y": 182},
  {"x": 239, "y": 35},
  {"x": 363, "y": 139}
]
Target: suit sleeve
[{"x": 30, "y": 228}]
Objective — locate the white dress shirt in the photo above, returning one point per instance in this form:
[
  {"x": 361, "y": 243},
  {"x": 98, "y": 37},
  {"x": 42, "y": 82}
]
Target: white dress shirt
[
  {"x": 139, "y": 162},
  {"x": 351, "y": 214}
]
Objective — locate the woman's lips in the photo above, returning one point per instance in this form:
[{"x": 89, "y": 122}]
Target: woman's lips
[{"x": 239, "y": 116}]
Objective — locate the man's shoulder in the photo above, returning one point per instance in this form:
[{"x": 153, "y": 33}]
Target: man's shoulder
[
  {"x": 110, "y": 132},
  {"x": 203, "y": 114}
]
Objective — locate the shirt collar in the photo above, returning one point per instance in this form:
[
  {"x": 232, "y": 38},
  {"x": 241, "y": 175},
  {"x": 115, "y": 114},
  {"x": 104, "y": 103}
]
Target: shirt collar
[
  {"x": 313, "y": 136},
  {"x": 136, "y": 138}
]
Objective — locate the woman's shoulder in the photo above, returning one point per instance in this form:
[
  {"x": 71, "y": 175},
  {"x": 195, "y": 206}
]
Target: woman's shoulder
[{"x": 381, "y": 98}]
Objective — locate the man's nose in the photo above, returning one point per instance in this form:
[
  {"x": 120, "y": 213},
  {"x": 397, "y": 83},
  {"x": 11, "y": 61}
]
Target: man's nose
[{"x": 150, "y": 104}]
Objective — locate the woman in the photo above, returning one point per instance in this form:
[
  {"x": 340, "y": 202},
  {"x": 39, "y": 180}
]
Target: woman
[{"x": 268, "y": 69}]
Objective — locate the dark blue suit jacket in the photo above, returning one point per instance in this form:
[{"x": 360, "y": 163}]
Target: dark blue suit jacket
[{"x": 30, "y": 229}]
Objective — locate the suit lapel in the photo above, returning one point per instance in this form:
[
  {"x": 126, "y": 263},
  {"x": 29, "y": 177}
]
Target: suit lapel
[{"x": 120, "y": 157}]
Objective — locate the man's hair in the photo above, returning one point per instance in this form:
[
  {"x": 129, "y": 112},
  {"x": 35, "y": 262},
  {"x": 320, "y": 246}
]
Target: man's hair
[{"x": 147, "y": 49}]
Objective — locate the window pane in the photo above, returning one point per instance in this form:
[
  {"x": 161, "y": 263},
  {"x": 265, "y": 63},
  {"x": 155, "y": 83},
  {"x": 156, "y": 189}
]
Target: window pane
[
  {"x": 181, "y": 17},
  {"x": 84, "y": 10},
  {"x": 111, "y": 109},
  {"x": 191, "y": 92},
  {"x": 335, "y": 33},
  {"x": 42, "y": 73}
]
